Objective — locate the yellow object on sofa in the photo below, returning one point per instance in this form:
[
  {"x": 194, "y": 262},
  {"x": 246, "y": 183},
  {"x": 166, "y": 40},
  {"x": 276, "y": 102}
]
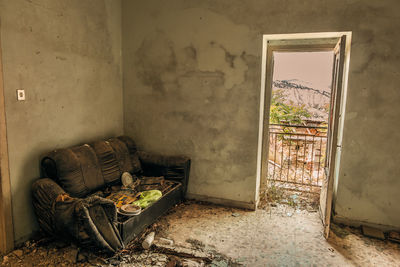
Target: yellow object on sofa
[
  {"x": 147, "y": 198},
  {"x": 122, "y": 197}
]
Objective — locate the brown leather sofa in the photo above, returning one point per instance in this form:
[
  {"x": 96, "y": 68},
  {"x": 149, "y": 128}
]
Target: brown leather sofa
[{"x": 69, "y": 201}]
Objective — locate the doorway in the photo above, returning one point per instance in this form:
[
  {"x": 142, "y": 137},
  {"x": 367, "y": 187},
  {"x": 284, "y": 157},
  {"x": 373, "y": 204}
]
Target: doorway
[
  {"x": 298, "y": 121},
  {"x": 304, "y": 138}
]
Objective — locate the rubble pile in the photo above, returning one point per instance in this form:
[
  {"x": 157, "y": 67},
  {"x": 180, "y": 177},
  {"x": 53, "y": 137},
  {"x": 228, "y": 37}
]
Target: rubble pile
[{"x": 159, "y": 252}]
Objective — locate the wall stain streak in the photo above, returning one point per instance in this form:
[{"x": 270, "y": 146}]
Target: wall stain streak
[
  {"x": 154, "y": 58},
  {"x": 191, "y": 52}
]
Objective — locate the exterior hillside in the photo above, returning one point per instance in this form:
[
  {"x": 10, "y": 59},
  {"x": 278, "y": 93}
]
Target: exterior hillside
[{"x": 302, "y": 94}]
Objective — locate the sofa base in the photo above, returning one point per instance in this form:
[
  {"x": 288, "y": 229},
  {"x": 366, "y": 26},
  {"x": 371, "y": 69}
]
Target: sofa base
[{"x": 131, "y": 227}]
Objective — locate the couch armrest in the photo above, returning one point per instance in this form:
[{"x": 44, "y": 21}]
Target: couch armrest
[
  {"x": 176, "y": 168},
  {"x": 90, "y": 221},
  {"x": 44, "y": 194}
]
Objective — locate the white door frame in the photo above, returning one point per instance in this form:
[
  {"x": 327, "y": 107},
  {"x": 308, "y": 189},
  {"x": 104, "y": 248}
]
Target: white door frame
[{"x": 323, "y": 41}]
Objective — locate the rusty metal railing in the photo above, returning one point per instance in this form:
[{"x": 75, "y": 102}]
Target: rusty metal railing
[{"x": 297, "y": 154}]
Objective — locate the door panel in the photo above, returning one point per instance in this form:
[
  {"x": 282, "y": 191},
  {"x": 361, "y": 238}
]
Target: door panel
[{"x": 334, "y": 114}]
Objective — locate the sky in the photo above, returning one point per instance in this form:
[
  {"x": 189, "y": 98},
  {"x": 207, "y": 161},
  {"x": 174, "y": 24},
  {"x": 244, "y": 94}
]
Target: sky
[{"x": 312, "y": 67}]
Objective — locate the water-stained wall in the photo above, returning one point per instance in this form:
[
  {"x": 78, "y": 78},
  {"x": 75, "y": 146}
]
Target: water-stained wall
[
  {"x": 189, "y": 80},
  {"x": 66, "y": 55},
  {"x": 192, "y": 86}
]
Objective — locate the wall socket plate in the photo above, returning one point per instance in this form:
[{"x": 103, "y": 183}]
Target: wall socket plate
[{"x": 20, "y": 94}]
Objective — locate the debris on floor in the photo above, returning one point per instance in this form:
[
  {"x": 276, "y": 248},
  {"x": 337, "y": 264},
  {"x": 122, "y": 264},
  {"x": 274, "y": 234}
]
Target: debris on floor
[
  {"x": 166, "y": 241},
  {"x": 271, "y": 195},
  {"x": 148, "y": 241},
  {"x": 195, "y": 234},
  {"x": 339, "y": 230},
  {"x": 268, "y": 237},
  {"x": 373, "y": 232},
  {"x": 394, "y": 236}
]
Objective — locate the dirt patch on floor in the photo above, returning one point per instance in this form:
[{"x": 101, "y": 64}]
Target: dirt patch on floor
[
  {"x": 361, "y": 250},
  {"x": 45, "y": 251},
  {"x": 282, "y": 235},
  {"x": 273, "y": 194}
]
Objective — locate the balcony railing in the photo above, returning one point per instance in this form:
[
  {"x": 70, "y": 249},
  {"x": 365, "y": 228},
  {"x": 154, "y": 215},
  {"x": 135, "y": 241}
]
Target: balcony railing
[{"x": 297, "y": 155}]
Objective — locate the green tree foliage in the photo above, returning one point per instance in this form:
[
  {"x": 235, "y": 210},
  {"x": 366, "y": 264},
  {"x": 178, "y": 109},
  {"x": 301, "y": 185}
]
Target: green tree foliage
[{"x": 286, "y": 113}]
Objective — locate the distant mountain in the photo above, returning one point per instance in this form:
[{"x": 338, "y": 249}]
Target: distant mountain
[{"x": 296, "y": 92}]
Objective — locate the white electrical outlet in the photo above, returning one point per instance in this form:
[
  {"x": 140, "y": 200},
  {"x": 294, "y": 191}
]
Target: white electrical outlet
[{"x": 20, "y": 95}]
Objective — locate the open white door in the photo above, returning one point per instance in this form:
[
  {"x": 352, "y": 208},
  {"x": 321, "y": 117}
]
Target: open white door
[{"x": 334, "y": 115}]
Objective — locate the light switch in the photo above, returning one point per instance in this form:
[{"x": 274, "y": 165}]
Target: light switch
[{"x": 20, "y": 95}]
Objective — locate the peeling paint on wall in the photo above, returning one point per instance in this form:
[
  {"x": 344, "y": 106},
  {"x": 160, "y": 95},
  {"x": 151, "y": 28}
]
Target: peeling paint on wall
[
  {"x": 155, "y": 59},
  {"x": 210, "y": 108},
  {"x": 204, "y": 78}
]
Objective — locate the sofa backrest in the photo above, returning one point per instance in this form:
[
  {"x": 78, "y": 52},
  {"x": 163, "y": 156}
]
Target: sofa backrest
[{"x": 83, "y": 169}]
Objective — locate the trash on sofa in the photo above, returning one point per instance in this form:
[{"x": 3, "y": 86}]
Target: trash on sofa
[
  {"x": 147, "y": 198},
  {"x": 129, "y": 210}
]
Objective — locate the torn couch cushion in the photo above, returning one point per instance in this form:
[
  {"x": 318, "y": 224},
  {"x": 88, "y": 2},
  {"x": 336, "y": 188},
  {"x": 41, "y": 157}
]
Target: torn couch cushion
[
  {"x": 90, "y": 221},
  {"x": 133, "y": 152},
  {"x": 81, "y": 170},
  {"x": 77, "y": 169}
]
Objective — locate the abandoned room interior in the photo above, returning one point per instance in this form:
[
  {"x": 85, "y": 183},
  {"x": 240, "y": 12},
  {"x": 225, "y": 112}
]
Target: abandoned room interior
[{"x": 199, "y": 133}]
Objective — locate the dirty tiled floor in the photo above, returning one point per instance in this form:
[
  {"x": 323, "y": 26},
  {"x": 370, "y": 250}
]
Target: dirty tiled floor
[
  {"x": 276, "y": 236},
  {"x": 281, "y": 236}
]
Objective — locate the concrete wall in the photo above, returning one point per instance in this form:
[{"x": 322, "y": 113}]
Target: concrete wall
[
  {"x": 67, "y": 57},
  {"x": 192, "y": 86}
]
